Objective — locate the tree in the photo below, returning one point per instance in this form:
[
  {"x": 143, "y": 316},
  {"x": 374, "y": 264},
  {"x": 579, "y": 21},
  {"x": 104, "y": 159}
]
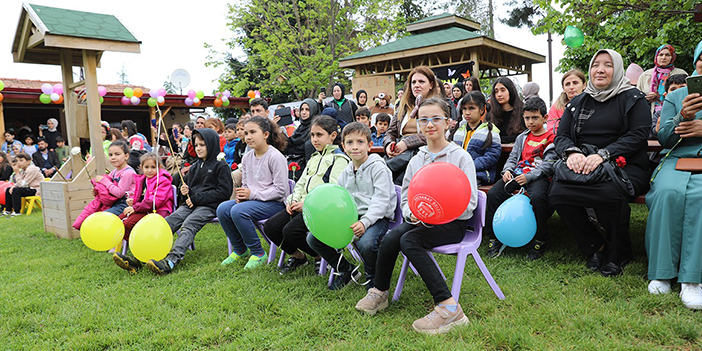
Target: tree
[
  {"x": 634, "y": 28},
  {"x": 170, "y": 87},
  {"x": 122, "y": 77},
  {"x": 293, "y": 47}
]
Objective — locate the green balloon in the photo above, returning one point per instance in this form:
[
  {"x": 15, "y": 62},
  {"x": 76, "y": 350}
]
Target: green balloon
[
  {"x": 2, "y": 85},
  {"x": 102, "y": 99},
  {"x": 151, "y": 102},
  {"x": 329, "y": 211},
  {"x": 128, "y": 92},
  {"x": 45, "y": 98},
  {"x": 225, "y": 103},
  {"x": 200, "y": 95},
  {"x": 573, "y": 37}
]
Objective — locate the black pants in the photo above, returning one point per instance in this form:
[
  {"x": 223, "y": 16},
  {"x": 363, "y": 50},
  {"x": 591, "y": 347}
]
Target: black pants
[
  {"x": 414, "y": 241},
  {"x": 538, "y": 193},
  {"x": 614, "y": 217},
  {"x": 289, "y": 234},
  {"x": 14, "y": 201}
]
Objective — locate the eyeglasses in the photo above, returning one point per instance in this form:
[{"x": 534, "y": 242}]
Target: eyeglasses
[{"x": 434, "y": 120}]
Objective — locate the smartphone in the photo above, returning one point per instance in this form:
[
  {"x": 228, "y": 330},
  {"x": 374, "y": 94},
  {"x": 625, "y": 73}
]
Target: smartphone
[
  {"x": 175, "y": 133},
  {"x": 323, "y": 90},
  {"x": 694, "y": 85},
  {"x": 285, "y": 115},
  {"x": 153, "y": 123}
]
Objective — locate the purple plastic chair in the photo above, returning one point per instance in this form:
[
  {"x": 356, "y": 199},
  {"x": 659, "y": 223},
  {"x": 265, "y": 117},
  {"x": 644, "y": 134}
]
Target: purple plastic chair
[
  {"x": 273, "y": 248},
  {"x": 352, "y": 246},
  {"x": 468, "y": 246}
]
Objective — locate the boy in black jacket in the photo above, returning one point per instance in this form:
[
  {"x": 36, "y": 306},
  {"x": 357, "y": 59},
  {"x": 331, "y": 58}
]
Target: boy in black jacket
[{"x": 208, "y": 184}]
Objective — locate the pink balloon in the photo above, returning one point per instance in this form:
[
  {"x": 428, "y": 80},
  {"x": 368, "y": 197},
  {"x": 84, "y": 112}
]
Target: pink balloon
[
  {"x": 153, "y": 93},
  {"x": 47, "y": 88},
  {"x": 125, "y": 100},
  {"x": 162, "y": 92},
  {"x": 189, "y": 101},
  {"x": 102, "y": 90},
  {"x": 58, "y": 89},
  {"x": 135, "y": 100},
  {"x": 191, "y": 94}
]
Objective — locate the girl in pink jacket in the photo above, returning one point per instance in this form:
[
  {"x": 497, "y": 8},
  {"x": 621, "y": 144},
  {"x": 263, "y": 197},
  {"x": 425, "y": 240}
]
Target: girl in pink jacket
[{"x": 152, "y": 187}]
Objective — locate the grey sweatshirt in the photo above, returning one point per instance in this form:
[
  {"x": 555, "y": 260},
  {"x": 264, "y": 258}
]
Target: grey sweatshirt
[
  {"x": 543, "y": 169},
  {"x": 371, "y": 188},
  {"x": 453, "y": 154}
]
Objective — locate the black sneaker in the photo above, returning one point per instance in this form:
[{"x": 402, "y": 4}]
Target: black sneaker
[
  {"x": 537, "y": 250},
  {"x": 340, "y": 280},
  {"x": 292, "y": 265},
  {"x": 494, "y": 247},
  {"x": 130, "y": 264},
  {"x": 159, "y": 267}
]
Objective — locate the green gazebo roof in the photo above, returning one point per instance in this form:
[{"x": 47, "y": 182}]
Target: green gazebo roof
[{"x": 81, "y": 24}]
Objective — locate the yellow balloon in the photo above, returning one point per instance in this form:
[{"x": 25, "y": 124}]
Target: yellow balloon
[
  {"x": 151, "y": 238},
  {"x": 102, "y": 231}
]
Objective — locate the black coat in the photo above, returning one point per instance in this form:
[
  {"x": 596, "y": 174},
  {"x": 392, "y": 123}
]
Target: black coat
[{"x": 38, "y": 160}]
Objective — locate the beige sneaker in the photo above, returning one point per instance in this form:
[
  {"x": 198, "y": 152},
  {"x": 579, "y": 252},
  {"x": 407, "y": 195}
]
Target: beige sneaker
[
  {"x": 374, "y": 301},
  {"x": 440, "y": 321}
]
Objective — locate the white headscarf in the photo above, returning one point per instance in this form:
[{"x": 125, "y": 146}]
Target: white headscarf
[
  {"x": 619, "y": 84},
  {"x": 55, "y": 124}
]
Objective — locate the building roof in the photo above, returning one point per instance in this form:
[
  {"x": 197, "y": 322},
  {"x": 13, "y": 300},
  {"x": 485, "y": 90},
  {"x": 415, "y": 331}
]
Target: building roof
[
  {"x": 80, "y": 24},
  {"x": 431, "y": 18},
  {"x": 414, "y": 41},
  {"x": 36, "y": 85}
]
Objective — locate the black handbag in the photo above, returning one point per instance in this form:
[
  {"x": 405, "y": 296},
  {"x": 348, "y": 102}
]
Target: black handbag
[{"x": 605, "y": 172}]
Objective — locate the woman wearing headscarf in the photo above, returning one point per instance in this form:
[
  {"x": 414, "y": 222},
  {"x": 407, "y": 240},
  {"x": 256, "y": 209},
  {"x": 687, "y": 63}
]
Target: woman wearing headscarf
[
  {"x": 300, "y": 147},
  {"x": 361, "y": 98},
  {"x": 652, "y": 81},
  {"x": 673, "y": 241},
  {"x": 50, "y": 133},
  {"x": 531, "y": 89},
  {"x": 613, "y": 117},
  {"x": 346, "y": 109}
]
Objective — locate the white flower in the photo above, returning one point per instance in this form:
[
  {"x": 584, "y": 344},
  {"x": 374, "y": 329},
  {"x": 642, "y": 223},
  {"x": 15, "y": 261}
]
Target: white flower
[
  {"x": 75, "y": 150},
  {"x": 221, "y": 156}
]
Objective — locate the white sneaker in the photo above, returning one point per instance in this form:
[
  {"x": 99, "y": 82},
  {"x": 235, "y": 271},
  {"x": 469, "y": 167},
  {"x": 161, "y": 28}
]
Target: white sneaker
[
  {"x": 659, "y": 287},
  {"x": 691, "y": 296},
  {"x": 14, "y": 214}
]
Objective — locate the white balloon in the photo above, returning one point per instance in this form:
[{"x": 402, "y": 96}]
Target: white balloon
[
  {"x": 135, "y": 100},
  {"x": 196, "y": 101},
  {"x": 55, "y": 97},
  {"x": 160, "y": 99}
]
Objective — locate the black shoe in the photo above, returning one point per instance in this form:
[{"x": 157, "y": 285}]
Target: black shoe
[
  {"x": 292, "y": 265},
  {"x": 159, "y": 267},
  {"x": 130, "y": 264},
  {"x": 494, "y": 247},
  {"x": 594, "y": 261},
  {"x": 612, "y": 269},
  {"x": 537, "y": 250},
  {"x": 340, "y": 280}
]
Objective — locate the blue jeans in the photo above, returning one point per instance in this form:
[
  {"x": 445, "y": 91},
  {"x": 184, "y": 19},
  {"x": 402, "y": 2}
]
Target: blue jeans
[
  {"x": 368, "y": 245},
  {"x": 238, "y": 221},
  {"x": 118, "y": 207}
]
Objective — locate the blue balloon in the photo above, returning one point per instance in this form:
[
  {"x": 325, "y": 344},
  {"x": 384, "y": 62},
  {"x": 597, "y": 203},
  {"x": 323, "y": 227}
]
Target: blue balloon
[{"x": 514, "y": 222}]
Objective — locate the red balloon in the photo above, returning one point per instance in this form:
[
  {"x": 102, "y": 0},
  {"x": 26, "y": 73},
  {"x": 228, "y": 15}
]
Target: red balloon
[
  {"x": 439, "y": 193},
  {"x": 3, "y": 187}
]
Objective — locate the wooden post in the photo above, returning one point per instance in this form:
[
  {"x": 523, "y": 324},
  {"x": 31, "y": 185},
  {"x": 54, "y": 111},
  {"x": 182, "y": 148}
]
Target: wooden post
[
  {"x": 2, "y": 123},
  {"x": 93, "y": 98},
  {"x": 67, "y": 73},
  {"x": 476, "y": 66}
]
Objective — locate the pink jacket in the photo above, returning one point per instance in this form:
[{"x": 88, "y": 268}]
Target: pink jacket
[
  {"x": 102, "y": 201},
  {"x": 143, "y": 202}
]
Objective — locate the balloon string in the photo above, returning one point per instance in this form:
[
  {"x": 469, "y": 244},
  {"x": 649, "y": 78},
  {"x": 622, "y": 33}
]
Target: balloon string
[
  {"x": 180, "y": 172},
  {"x": 158, "y": 164},
  {"x": 500, "y": 252}
]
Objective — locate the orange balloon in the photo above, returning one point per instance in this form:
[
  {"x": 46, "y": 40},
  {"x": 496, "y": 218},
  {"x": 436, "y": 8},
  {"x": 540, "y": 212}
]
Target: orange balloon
[
  {"x": 60, "y": 100},
  {"x": 1, "y": 97},
  {"x": 138, "y": 92},
  {"x": 197, "y": 103},
  {"x": 161, "y": 103},
  {"x": 251, "y": 94},
  {"x": 218, "y": 102}
]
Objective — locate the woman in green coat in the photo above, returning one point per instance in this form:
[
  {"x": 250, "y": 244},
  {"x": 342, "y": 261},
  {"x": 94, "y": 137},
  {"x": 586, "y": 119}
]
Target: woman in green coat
[{"x": 674, "y": 230}]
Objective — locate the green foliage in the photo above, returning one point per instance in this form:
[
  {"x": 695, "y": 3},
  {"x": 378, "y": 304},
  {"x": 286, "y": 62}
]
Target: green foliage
[
  {"x": 634, "y": 28},
  {"x": 293, "y": 47}
]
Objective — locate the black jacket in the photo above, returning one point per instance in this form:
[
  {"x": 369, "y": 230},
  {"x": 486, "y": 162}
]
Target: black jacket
[
  {"x": 38, "y": 160},
  {"x": 210, "y": 181}
]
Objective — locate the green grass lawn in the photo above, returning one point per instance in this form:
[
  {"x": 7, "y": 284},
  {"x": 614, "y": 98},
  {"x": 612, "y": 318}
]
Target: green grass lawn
[{"x": 58, "y": 294}]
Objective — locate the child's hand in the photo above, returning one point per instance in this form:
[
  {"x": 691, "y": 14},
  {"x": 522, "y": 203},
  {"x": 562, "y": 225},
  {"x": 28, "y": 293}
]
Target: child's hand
[
  {"x": 507, "y": 176},
  {"x": 358, "y": 229},
  {"x": 184, "y": 189},
  {"x": 521, "y": 179},
  {"x": 288, "y": 208},
  {"x": 130, "y": 201},
  {"x": 189, "y": 202},
  {"x": 243, "y": 194},
  {"x": 129, "y": 210},
  {"x": 413, "y": 219},
  {"x": 296, "y": 206}
]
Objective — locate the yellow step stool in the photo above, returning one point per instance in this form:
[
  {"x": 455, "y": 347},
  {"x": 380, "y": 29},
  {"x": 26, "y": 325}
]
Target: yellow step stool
[{"x": 29, "y": 202}]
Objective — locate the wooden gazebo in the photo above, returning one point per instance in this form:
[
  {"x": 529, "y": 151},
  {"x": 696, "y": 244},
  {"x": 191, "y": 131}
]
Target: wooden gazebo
[
  {"x": 69, "y": 38},
  {"x": 444, "y": 41}
]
